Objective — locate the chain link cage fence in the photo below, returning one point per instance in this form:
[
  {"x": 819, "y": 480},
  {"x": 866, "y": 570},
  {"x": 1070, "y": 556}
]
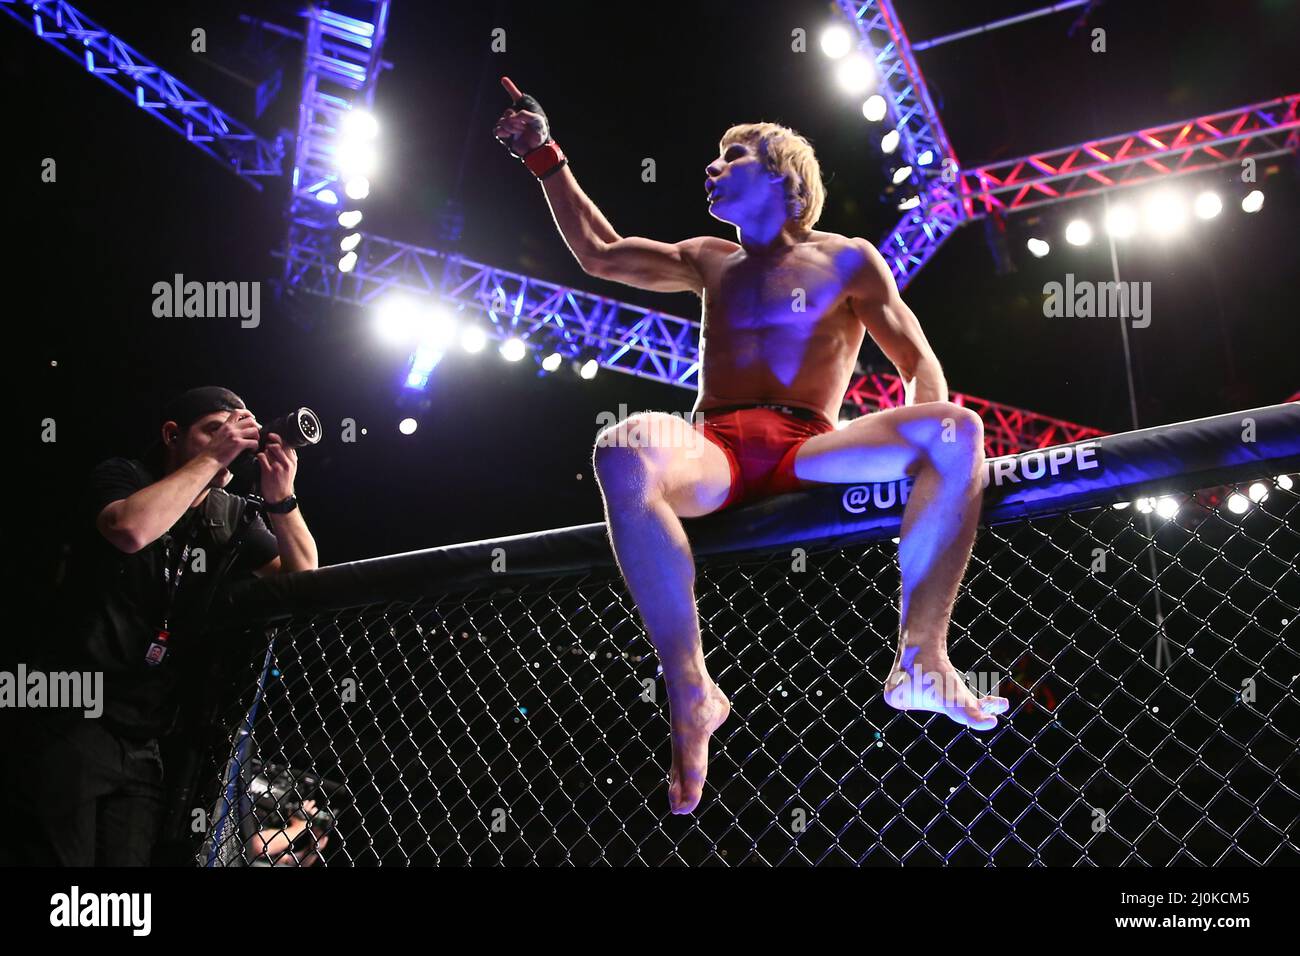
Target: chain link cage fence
[{"x": 499, "y": 703}]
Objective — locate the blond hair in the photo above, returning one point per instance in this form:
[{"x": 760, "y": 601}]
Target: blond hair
[{"x": 785, "y": 153}]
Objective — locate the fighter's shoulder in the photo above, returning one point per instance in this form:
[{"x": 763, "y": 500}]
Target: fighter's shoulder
[
  {"x": 707, "y": 247},
  {"x": 834, "y": 242},
  {"x": 867, "y": 270}
]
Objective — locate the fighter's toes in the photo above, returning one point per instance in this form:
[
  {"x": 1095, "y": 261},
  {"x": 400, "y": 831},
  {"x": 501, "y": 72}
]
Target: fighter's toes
[{"x": 982, "y": 714}]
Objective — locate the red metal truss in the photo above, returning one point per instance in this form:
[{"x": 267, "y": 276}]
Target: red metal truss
[
  {"x": 1007, "y": 430},
  {"x": 1129, "y": 159}
]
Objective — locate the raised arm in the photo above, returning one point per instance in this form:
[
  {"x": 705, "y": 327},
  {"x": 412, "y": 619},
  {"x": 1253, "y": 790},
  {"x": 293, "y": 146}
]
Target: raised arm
[
  {"x": 133, "y": 523},
  {"x": 600, "y": 251},
  {"x": 894, "y": 327}
]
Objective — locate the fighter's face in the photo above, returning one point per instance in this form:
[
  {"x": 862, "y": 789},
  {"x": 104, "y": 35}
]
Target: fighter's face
[{"x": 738, "y": 185}]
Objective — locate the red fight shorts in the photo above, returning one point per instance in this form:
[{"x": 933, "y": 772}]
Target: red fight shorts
[{"x": 760, "y": 442}]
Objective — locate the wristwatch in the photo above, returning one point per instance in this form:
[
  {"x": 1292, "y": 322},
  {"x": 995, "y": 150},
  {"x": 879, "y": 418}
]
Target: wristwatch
[{"x": 282, "y": 507}]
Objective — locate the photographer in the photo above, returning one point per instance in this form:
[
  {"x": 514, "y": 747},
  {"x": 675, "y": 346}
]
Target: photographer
[{"x": 159, "y": 535}]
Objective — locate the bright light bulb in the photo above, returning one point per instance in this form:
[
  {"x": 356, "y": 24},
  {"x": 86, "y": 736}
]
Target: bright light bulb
[
  {"x": 1165, "y": 214},
  {"x": 1207, "y": 205},
  {"x": 836, "y": 41},
  {"x": 1121, "y": 222},
  {"x": 358, "y": 124},
  {"x": 1078, "y": 232},
  {"x": 856, "y": 74}
]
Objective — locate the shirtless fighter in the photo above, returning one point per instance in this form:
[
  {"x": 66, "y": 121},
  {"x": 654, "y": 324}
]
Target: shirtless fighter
[{"x": 772, "y": 380}]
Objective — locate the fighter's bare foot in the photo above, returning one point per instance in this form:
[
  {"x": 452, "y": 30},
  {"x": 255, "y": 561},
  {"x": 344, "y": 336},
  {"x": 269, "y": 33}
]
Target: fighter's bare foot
[
  {"x": 924, "y": 679},
  {"x": 695, "y": 713}
]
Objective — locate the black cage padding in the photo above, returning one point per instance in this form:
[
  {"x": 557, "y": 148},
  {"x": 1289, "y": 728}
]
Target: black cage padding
[{"x": 1168, "y": 458}]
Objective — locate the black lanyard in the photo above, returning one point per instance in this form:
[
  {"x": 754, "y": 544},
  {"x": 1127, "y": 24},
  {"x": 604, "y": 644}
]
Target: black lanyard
[{"x": 171, "y": 577}]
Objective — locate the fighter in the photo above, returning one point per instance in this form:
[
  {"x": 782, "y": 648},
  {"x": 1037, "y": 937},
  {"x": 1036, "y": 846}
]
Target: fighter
[{"x": 784, "y": 311}]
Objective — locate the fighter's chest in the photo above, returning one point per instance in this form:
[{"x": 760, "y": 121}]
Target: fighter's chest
[{"x": 753, "y": 295}]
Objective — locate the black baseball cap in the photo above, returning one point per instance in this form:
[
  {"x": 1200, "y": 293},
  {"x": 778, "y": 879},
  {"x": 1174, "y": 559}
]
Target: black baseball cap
[{"x": 188, "y": 407}]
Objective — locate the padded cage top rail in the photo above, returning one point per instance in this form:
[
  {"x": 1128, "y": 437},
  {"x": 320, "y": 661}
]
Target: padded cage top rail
[{"x": 1185, "y": 456}]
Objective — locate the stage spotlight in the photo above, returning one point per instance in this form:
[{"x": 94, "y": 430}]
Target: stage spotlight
[
  {"x": 1121, "y": 222},
  {"x": 328, "y": 196},
  {"x": 925, "y": 157},
  {"x": 1165, "y": 213},
  {"x": 397, "y": 320},
  {"x": 902, "y": 174},
  {"x": 358, "y": 124},
  {"x": 589, "y": 369},
  {"x": 910, "y": 203},
  {"x": 1145, "y": 505},
  {"x": 856, "y": 74},
  {"x": 1120, "y": 505},
  {"x": 1078, "y": 232},
  {"x": 407, "y": 426},
  {"x": 355, "y": 160},
  {"x": 513, "y": 349},
  {"x": 836, "y": 41},
  {"x": 1038, "y": 247},
  {"x": 1253, "y": 201},
  {"x": 875, "y": 108},
  {"x": 1238, "y": 504},
  {"x": 1284, "y": 482},
  {"x": 1207, "y": 205},
  {"x": 348, "y": 262},
  {"x": 552, "y": 361},
  {"x": 349, "y": 242},
  {"x": 350, "y": 219},
  {"x": 436, "y": 330},
  {"x": 1167, "y": 507},
  {"x": 357, "y": 187},
  {"x": 1257, "y": 492},
  {"x": 473, "y": 339},
  {"x": 889, "y": 142}
]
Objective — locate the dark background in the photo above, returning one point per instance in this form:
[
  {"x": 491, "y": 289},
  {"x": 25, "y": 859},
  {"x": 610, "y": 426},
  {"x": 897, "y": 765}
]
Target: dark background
[{"x": 501, "y": 450}]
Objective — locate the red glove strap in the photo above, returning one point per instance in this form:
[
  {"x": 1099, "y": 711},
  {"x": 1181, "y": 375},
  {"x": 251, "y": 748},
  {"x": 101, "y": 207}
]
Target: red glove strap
[{"x": 545, "y": 159}]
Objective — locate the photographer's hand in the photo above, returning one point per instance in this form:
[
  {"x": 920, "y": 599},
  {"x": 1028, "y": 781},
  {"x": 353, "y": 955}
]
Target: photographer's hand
[{"x": 279, "y": 465}]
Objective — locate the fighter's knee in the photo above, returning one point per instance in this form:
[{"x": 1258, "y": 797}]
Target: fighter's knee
[
  {"x": 619, "y": 461},
  {"x": 957, "y": 433}
]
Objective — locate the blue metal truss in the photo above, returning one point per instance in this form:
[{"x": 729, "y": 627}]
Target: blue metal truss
[
  {"x": 341, "y": 66},
  {"x": 922, "y": 141},
  {"x": 548, "y": 317},
  {"x": 153, "y": 89}
]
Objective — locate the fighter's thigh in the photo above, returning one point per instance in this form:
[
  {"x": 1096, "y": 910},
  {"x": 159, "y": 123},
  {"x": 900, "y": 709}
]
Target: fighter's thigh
[
  {"x": 881, "y": 446},
  {"x": 691, "y": 472}
]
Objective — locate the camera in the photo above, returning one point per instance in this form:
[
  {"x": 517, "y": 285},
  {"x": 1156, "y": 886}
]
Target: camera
[{"x": 297, "y": 429}]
